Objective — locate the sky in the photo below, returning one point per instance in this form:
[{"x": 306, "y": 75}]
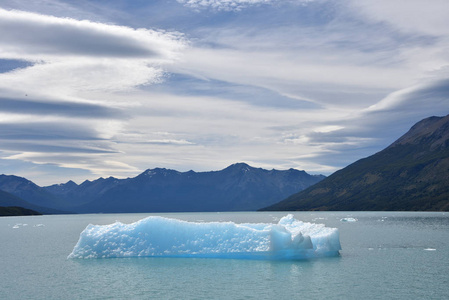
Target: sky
[{"x": 93, "y": 89}]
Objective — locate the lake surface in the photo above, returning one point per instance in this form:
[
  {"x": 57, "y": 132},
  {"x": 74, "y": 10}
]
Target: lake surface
[{"x": 385, "y": 255}]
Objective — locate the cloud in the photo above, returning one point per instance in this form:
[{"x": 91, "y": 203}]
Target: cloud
[
  {"x": 334, "y": 61},
  {"x": 179, "y": 84},
  {"x": 69, "y": 77},
  {"x": 296, "y": 73},
  {"x": 73, "y": 55},
  {"x": 413, "y": 16},
  {"x": 56, "y": 8},
  {"x": 416, "y": 97},
  {"x": 415, "y": 102},
  {"x": 34, "y": 36},
  {"x": 45, "y": 147},
  {"x": 50, "y": 168},
  {"x": 38, "y": 107},
  {"x": 169, "y": 142},
  {"x": 48, "y": 129},
  {"x": 229, "y": 5}
]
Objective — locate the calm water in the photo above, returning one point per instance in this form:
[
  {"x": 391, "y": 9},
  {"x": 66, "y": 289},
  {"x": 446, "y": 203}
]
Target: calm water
[{"x": 386, "y": 255}]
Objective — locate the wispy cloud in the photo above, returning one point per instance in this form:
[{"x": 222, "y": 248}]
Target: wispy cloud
[
  {"x": 229, "y": 5},
  {"x": 75, "y": 55},
  {"x": 33, "y": 36},
  {"x": 67, "y": 108},
  {"x": 413, "y": 16},
  {"x": 417, "y": 102}
]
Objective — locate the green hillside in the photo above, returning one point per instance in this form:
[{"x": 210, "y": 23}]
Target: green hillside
[{"x": 16, "y": 211}]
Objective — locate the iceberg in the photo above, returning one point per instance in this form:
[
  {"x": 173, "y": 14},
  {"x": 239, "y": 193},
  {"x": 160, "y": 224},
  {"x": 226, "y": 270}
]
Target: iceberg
[
  {"x": 349, "y": 219},
  {"x": 155, "y": 236}
]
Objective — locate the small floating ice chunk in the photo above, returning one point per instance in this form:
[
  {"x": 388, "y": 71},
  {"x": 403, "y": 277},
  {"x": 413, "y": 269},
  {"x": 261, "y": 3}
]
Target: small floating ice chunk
[
  {"x": 349, "y": 220},
  {"x": 18, "y": 225},
  {"x": 430, "y": 249},
  {"x": 158, "y": 236}
]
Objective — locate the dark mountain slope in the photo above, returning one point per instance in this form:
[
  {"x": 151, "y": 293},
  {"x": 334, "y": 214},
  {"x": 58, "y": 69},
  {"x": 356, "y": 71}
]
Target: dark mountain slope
[
  {"x": 411, "y": 174},
  {"x": 9, "y": 200}
]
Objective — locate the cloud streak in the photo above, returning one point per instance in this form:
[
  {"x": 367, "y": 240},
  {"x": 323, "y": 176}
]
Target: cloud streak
[
  {"x": 67, "y": 109},
  {"x": 233, "y": 5},
  {"x": 71, "y": 55},
  {"x": 35, "y": 36}
]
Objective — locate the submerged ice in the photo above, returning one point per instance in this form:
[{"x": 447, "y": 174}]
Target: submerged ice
[{"x": 158, "y": 236}]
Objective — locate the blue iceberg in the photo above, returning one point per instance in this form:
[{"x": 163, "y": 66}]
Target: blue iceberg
[{"x": 163, "y": 237}]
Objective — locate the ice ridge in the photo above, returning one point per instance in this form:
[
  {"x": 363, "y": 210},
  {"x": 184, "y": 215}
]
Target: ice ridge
[{"x": 159, "y": 236}]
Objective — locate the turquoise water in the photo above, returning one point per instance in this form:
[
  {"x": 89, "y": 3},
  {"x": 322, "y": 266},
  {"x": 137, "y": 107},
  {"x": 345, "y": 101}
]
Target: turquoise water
[{"x": 386, "y": 255}]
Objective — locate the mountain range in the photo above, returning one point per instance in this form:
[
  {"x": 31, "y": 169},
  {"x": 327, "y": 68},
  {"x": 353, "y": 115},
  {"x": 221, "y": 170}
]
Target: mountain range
[
  {"x": 238, "y": 187},
  {"x": 411, "y": 174}
]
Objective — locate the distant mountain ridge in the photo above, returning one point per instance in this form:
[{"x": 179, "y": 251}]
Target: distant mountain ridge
[
  {"x": 238, "y": 187},
  {"x": 14, "y": 190},
  {"x": 9, "y": 200},
  {"x": 412, "y": 174}
]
